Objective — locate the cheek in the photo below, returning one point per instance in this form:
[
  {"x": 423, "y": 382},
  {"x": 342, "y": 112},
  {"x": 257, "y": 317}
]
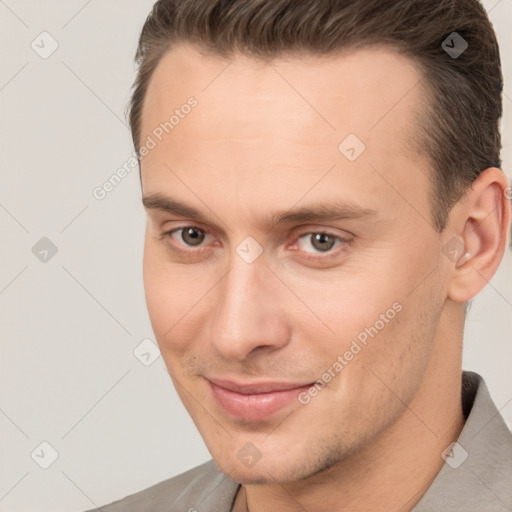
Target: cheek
[
  {"x": 154, "y": 289},
  {"x": 161, "y": 291},
  {"x": 346, "y": 306},
  {"x": 370, "y": 318},
  {"x": 175, "y": 296}
]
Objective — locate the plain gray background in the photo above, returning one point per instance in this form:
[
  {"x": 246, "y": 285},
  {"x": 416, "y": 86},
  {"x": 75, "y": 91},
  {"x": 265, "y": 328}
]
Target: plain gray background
[{"x": 70, "y": 325}]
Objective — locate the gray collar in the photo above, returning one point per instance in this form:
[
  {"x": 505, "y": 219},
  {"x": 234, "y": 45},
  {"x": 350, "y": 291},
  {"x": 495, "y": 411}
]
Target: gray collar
[{"x": 477, "y": 474}]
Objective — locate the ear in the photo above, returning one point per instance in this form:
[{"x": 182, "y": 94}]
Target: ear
[{"x": 478, "y": 234}]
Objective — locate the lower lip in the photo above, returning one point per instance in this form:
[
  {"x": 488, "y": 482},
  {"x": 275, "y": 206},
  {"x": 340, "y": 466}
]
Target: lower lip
[{"x": 255, "y": 407}]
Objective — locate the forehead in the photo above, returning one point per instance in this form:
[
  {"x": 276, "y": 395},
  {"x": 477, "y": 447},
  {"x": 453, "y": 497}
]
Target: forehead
[
  {"x": 285, "y": 116},
  {"x": 351, "y": 90}
]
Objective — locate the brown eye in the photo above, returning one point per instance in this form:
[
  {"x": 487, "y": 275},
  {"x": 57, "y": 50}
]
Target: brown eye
[
  {"x": 192, "y": 236},
  {"x": 321, "y": 242}
]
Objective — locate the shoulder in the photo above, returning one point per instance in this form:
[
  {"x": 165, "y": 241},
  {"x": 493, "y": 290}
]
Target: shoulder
[
  {"x": 477, "y": 474},
  {"x": 203, "y": 488}
]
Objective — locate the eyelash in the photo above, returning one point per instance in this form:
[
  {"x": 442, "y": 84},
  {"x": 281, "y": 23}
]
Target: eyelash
[{"x": 325, "y": 255}]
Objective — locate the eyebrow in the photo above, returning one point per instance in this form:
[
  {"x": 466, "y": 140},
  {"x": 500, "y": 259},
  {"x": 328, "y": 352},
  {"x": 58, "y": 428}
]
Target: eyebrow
[{"x": 314, "y": 213}]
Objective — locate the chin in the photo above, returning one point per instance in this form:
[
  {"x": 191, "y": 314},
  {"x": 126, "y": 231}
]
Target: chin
[{"x": 277, "y": 471}]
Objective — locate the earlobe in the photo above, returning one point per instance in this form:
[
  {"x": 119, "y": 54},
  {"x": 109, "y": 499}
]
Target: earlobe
[{"x": 481, "y": 224}]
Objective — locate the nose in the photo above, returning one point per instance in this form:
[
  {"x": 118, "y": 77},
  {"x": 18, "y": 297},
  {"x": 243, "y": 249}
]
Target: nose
[{"x": 250, "y": 313}]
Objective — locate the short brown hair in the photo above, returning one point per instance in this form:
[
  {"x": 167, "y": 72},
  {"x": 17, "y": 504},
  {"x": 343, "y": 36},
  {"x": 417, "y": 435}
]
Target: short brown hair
[{"x": 458, "y": 128}]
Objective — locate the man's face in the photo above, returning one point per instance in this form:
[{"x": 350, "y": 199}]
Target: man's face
[{"x": 263, "y": 141}]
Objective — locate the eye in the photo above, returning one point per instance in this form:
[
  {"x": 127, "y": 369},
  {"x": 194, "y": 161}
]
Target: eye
[
  {"x": 321, "y": 242},
  {"x": 190, "y": 236}
]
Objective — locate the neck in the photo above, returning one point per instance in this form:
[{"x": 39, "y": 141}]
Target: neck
[{"x": 393, "y": 472}]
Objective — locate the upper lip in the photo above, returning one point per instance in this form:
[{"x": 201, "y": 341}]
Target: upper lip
[{"x": 256, "y": 387}]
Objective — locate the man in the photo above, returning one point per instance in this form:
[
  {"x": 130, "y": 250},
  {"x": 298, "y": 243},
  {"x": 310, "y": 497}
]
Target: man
[{"x": 324, "y": 196}]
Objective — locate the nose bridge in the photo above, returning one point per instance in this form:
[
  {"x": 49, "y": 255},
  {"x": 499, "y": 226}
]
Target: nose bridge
[{"x": 246, "y": 314}]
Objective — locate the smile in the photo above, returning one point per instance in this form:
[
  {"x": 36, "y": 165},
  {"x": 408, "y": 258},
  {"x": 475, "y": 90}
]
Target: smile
[{"x": 256, "y": 401}]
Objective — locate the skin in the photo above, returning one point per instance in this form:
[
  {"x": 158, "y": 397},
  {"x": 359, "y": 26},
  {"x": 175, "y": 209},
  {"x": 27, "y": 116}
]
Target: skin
[{"x": 264, "y": 138}]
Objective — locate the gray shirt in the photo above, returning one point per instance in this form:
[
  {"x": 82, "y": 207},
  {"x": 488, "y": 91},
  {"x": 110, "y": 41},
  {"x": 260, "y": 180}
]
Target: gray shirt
[{"x": 476, "y": 477}]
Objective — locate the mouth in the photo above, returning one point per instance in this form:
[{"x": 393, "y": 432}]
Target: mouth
[{"x": 254, "y": 401}]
